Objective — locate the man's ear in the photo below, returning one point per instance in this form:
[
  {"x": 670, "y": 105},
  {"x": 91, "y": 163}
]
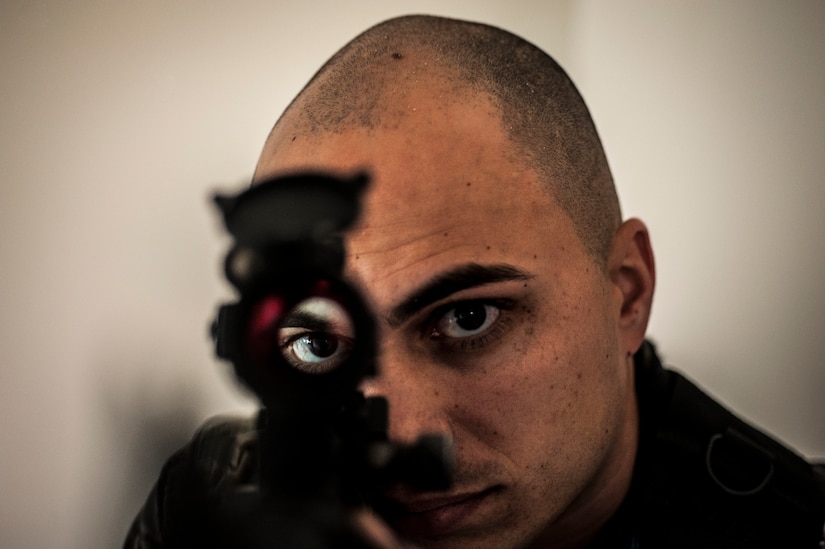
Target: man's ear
[{"x": 632, "y": 272}]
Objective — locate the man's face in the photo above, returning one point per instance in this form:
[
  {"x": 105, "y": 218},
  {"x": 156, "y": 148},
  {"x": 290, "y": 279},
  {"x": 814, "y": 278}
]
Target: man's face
[{"x": 496, "y": 328}]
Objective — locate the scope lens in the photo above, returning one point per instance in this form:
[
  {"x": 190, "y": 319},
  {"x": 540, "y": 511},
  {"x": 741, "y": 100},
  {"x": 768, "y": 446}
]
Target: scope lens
[{"x": 315, "y": 336}]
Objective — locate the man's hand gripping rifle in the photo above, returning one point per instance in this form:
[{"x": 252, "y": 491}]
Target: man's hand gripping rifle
[{"x": 303, "y": 340}]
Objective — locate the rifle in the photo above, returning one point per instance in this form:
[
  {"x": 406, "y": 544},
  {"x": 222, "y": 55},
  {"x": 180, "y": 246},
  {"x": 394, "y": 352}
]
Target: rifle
[{"x": 302, "y": 339}]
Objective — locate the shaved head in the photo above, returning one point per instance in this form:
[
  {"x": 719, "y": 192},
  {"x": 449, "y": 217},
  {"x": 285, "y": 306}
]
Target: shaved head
[{"x": 542, "y": 113}]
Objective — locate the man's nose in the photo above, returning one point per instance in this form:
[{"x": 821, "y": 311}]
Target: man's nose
[{"x": 416, "y": 405}]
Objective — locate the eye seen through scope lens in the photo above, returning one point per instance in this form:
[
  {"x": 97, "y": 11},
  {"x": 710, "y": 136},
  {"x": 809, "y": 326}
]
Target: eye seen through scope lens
[{"x": 316, "y": 336}]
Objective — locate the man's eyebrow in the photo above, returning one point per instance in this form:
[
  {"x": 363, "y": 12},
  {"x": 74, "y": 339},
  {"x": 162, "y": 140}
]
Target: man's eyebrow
[
  {"x": 463, "y": 277},
  {"x": 307, "y": 320}
]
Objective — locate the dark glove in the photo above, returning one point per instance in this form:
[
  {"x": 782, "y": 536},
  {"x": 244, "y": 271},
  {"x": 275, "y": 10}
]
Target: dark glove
[
  {"x": 208, "y": 497},
  {"x": 220, "y": 458}
]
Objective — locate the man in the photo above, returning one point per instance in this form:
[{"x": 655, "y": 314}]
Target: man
[{"x": 512, "y": 305}]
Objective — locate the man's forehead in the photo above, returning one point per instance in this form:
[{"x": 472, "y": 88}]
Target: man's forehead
[
  {"x": 442, "y": 160},
  {"x": 445, "y": 176},
  {"x": 416, "y": 178},
  {"x": 414, "y": 104}
]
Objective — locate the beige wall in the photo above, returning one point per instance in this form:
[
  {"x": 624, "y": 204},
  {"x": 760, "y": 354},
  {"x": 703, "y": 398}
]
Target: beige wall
[{"x": 118, "y": 119}]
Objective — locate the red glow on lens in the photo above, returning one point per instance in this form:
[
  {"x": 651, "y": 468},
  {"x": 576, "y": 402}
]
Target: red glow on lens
[
  {"x": 262, "y": 330},
  {"x": 266, "y": 315}
]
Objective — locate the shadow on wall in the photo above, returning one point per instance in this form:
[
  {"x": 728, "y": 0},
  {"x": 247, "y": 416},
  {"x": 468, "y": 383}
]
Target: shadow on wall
[{"x": 137, "y": 431}]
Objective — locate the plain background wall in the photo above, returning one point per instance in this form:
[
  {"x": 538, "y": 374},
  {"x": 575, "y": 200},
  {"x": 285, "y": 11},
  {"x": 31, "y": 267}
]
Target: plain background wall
[{"x": 117, "y": 119}]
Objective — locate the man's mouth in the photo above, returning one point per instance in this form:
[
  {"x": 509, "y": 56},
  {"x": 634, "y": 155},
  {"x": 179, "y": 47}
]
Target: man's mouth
[{"x": 435, "y": 515}]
